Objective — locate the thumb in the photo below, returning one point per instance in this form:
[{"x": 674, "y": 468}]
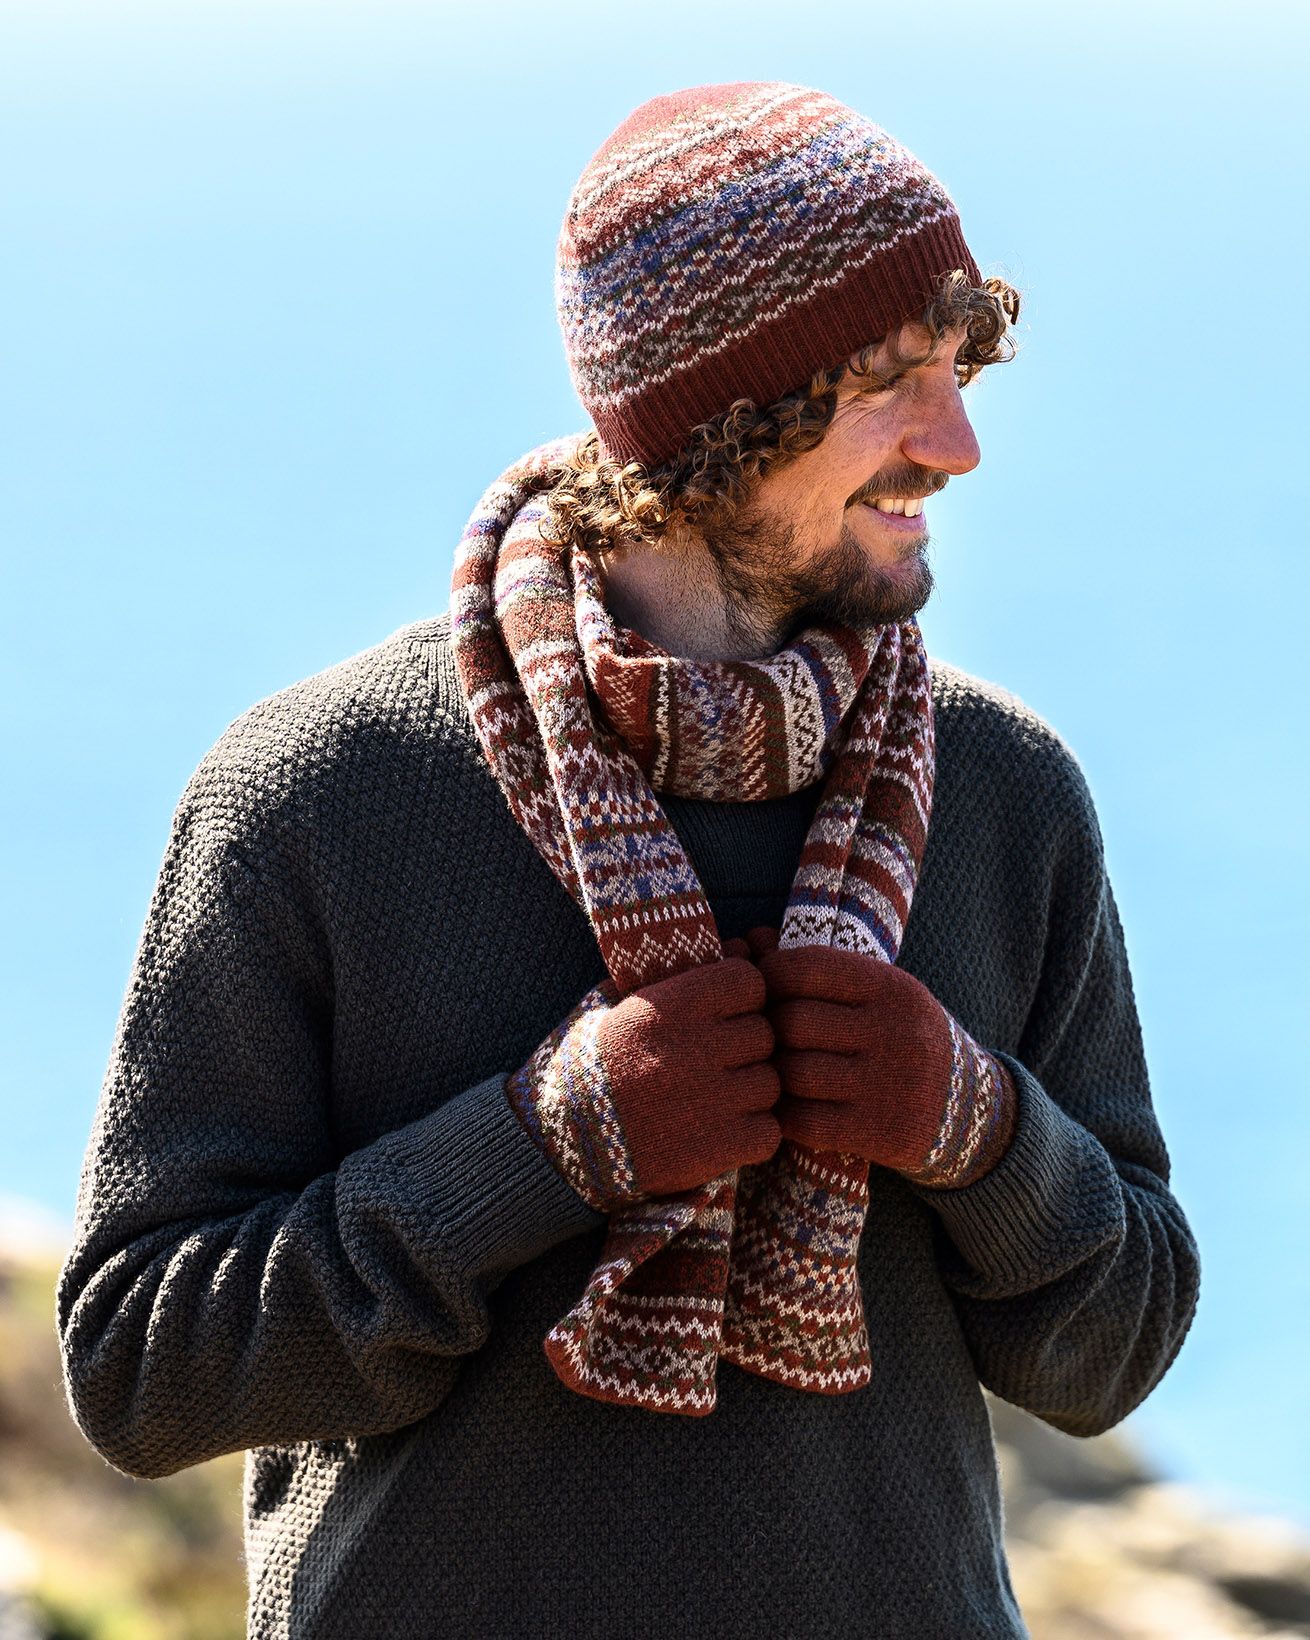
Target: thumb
[{"x": 737, "y": 948}]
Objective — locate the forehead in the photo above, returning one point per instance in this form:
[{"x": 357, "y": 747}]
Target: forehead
[{"x": 913, "y": 338}]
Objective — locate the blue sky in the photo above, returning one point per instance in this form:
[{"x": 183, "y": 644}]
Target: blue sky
[{"x": 276, "y": 305}]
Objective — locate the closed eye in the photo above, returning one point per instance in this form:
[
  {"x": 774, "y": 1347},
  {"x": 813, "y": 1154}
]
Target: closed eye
[{"x": 879, "y": 384}]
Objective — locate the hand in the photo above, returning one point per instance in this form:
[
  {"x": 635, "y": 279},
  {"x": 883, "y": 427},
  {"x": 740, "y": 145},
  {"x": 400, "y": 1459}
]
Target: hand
[
  {"x": 873, "y": 1065},
  {"x": 657, "y": 1092}
]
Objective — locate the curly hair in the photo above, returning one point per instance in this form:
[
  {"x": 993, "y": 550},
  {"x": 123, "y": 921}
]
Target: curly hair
[{"x": 601, "y": 505}]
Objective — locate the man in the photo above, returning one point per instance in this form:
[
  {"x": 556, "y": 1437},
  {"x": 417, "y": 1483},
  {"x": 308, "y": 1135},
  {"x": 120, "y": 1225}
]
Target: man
[{"x": 610, "y": 1073}]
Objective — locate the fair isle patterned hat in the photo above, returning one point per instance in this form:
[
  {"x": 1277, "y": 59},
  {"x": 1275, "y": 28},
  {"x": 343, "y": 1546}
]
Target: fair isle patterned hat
[{"x": 728, "y": 241}]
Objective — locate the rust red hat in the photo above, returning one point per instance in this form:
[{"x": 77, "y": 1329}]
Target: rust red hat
[{"x": 728, "y": 241}]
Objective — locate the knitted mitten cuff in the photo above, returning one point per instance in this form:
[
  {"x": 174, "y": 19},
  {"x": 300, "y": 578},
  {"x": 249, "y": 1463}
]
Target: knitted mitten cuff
[
  {"x": 978, "y": 1122},
  {"x": 563, "y": 1097}
]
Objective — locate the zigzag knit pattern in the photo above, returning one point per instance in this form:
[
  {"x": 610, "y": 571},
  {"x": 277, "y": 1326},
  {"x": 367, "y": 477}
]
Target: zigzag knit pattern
[
  {"x": 793, "y": 1311},
  {"x": 766, "y": 1278},
  {"x": 727, "y": 240}
]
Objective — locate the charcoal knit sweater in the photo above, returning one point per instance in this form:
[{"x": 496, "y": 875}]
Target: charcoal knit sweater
[{"x": 310, "y": 1225}]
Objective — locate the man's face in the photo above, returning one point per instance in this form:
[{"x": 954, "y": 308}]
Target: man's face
[{"x": 808, "y": 544}]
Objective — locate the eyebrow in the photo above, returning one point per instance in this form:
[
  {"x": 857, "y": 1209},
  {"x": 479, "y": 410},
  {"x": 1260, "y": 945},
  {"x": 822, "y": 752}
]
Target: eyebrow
[
  {"x": 893, "y": 373},
  {"x": 936, "y": 350}
]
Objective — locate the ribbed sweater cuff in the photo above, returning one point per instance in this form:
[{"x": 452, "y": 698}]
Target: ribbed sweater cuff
[
  {"x": 494, "y": 1200},
  {"x": 1055, "y": 1191}
]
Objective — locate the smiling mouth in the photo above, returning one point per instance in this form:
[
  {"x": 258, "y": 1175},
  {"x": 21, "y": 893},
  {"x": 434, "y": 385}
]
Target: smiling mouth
[
  {"x": 908, "y": 505},
  {"x": 903, "y": 523}
]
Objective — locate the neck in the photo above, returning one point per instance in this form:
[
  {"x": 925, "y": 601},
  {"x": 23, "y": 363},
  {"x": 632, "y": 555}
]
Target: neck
[{"x": 672, "y": 593}]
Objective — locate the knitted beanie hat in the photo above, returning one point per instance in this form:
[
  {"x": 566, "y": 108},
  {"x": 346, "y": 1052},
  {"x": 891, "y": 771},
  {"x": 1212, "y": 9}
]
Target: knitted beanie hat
[{"x": 730, "y": 240}]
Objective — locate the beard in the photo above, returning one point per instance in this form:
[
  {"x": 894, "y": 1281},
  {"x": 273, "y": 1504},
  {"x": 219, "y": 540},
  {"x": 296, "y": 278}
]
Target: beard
[{"x": 769, "y": 595}]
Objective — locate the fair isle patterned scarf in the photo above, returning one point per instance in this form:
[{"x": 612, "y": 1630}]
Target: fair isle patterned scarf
[{"x": 758, "y": 1266}]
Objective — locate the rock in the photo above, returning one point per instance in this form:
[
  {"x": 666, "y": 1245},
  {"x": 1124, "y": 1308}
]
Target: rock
[
  {"x": 1038, "y": 1462},
  {"x": 18, "y": 1621},
  {"x": 1100, "y": 1549}
]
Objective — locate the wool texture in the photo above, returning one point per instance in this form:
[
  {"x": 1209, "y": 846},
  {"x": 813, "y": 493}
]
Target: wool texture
[
  {"x": 870, "y": 1061},
  {"x": 652, "y": 1099},
  {"x": 726, "y": 242},
  {"x": 765, "y": 1277},
  {"x": 309, "y": 1223}
]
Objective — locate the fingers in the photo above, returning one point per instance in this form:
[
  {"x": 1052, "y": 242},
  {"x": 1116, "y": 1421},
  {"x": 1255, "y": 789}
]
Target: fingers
[
  {"x": 763, "y": 1137},
  {"x": 820, "y": 971},
  {"x": 762, "y": 940},
  {"x": 741, "y": 988},
  {"x": 711, "y": 990},
  {"x": 829, "y": 1077},
  {"x": 745, "y": 1039},
  {"x": 806, "y": 1023},
  {"x": 817, "y": 1124},
  {"x": 755, "y": 1088}
]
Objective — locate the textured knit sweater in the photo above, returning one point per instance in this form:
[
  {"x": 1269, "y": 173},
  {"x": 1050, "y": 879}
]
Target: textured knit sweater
[{"x": 309, "y": 1226}]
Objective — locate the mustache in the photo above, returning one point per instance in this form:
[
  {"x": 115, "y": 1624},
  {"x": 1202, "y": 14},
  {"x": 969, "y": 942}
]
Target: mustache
[{"x": 918, "y": 481}]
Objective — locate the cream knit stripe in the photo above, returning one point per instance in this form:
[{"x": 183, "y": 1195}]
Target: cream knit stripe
[
  {"x": 820, "y": 1380},
  {"x": 813, "y": 1223},
  {"x": 648, "y": 1378},
  {"x": 848, "y": 924},
  {"x": 749, "y": 292},
  {"x": 979, "y": 1089},
  {"x": 786, "y": 203},
  {"x": 563, "y": 1096},
  {"x": 519, "y": 579},
  {"x": 793, "y": 1310},
  {"x": 659, "y": 150},
  {"x": 830, "y": 708},
  {"x": 779, "y": 163},
  {"x": 815, "y": 681},
  {"x": 803, "y": 709},
  {"x": 620, "y": 368},
  {"x": 719, "y": 749},
  {"x": 691, "y": 221},
  {"x": 826, "y": 1336},
  {"x": 888, "y": 848},
  {"x": 676, "y": 1374}
]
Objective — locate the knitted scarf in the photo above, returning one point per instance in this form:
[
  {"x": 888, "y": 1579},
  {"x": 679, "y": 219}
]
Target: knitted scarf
[{"x": 582, "y": 721}]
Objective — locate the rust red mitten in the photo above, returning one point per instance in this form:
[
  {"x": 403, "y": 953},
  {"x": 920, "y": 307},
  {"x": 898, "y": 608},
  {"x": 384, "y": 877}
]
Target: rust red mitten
[
  {"x": 659, "y": 1091},
  {"x": 871, "y": 1063}
]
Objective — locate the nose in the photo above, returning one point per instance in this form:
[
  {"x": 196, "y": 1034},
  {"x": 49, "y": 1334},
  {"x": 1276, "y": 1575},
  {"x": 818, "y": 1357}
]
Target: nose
[{"x": 940, "y": 433}]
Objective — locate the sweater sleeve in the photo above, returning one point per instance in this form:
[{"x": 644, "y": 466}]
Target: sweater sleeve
[
  {"x": 233, "y": 1281},
  {"x": 1071, "y": 1265}
]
